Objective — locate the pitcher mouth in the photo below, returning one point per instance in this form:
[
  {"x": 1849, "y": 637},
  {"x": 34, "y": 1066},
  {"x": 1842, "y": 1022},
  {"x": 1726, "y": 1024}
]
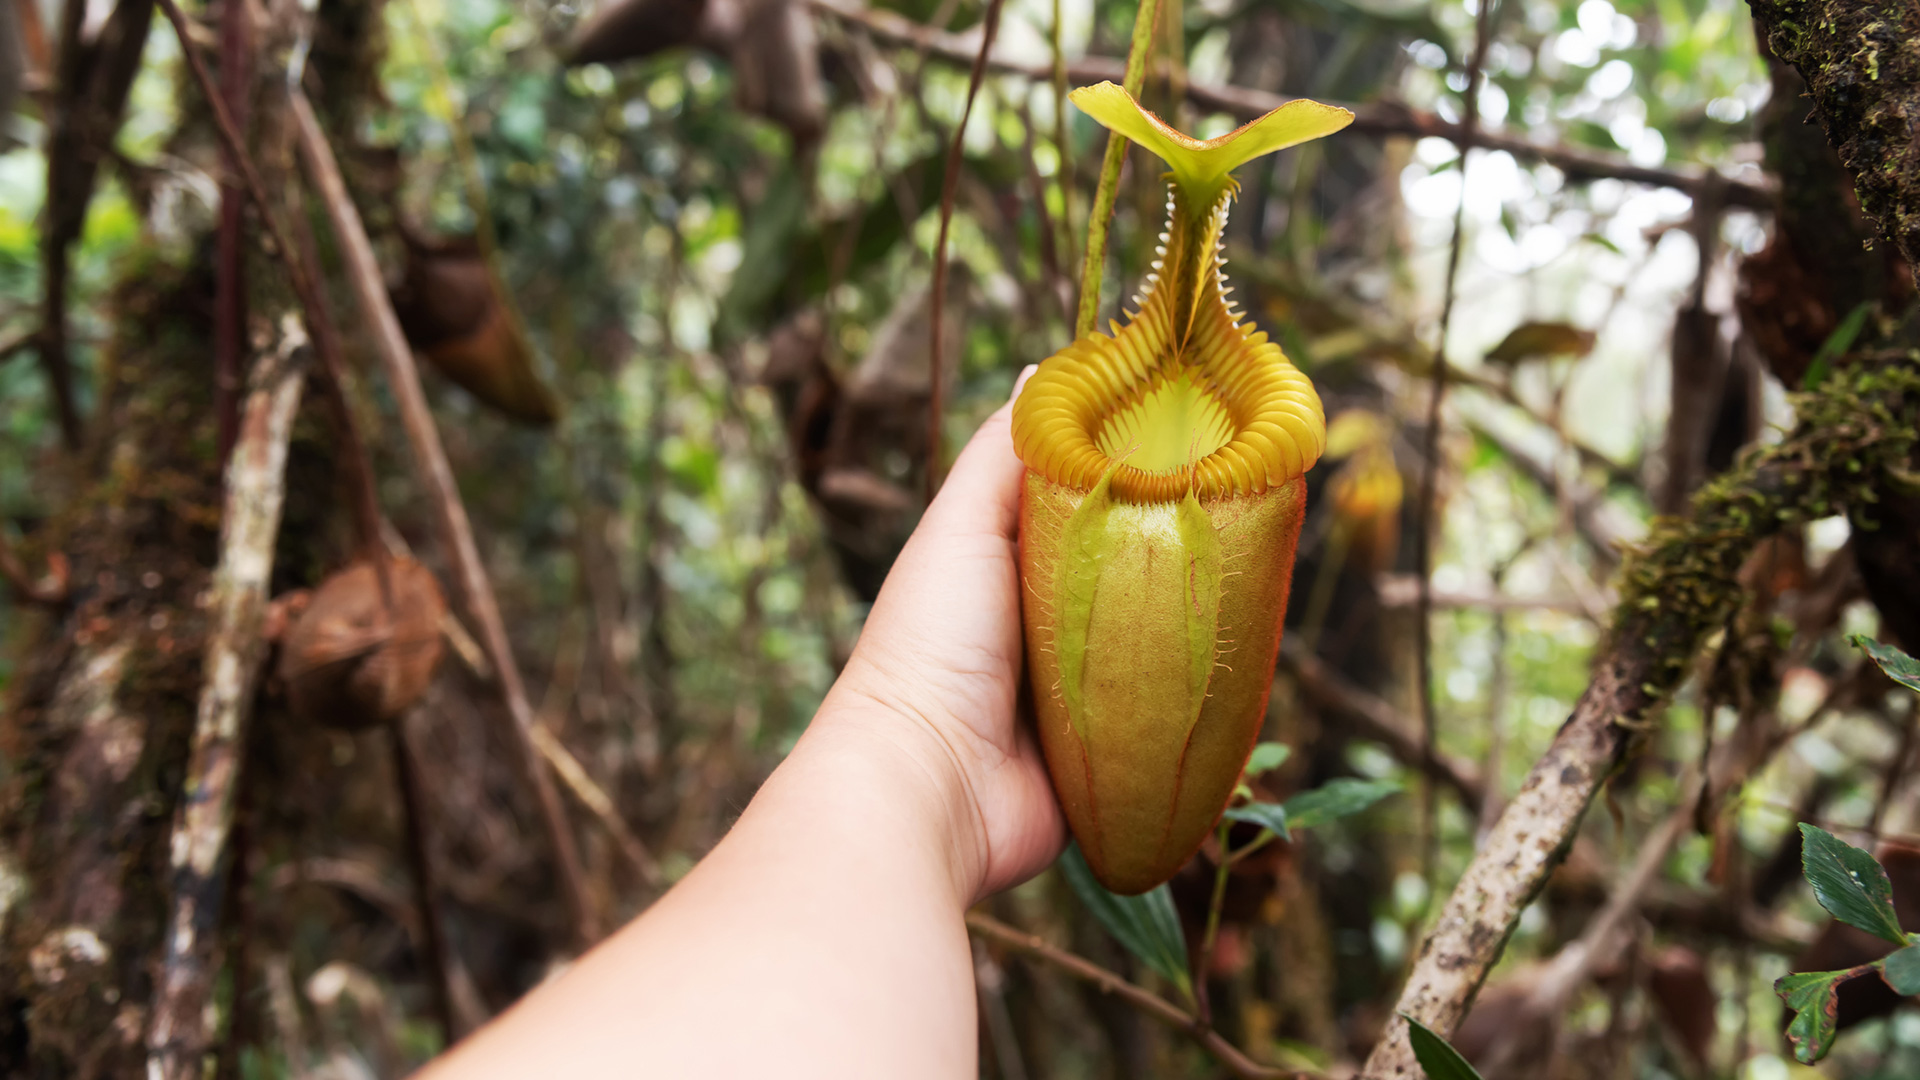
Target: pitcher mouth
[{"x": 1229, "y": 417}]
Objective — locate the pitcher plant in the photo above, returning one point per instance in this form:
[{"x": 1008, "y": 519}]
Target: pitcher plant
[{"x": 1161, "y": 508}]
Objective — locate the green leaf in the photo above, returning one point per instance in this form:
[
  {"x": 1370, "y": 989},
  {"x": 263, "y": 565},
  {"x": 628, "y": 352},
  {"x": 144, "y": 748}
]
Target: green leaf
[
  {"x": 1849, "y": 883},
  {"x": 1202, "y": 168},
  {"x": 1810, "y": 994},
  {"x": 1269, "y": 816},
  {"x": 1146, "y": 924},
  {"x": 1435, "y": 1055},
  {"x": 1902, "y": 971},
  {"x": 1336, "y": 799},
  {"x": 1836, "y": 345},
  {"x": 1267, "y": 757},
  {"x": 1899, "y": 667},
  {"x": 1085, "y": 547}
]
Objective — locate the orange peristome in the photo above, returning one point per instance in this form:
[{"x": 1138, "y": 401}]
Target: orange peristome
[{"x": 1158, "y": 524}]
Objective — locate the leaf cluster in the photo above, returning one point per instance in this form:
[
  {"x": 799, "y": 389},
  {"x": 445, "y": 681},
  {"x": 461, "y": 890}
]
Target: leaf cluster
[{"x": 1852, "y": 885}]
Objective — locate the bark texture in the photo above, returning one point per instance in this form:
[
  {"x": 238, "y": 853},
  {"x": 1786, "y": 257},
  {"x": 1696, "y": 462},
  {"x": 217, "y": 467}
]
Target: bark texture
[
  {"x": 1861, "y": 63},
  {"x": 235, "y": 653},
  {"x": 97, "y": 726}
]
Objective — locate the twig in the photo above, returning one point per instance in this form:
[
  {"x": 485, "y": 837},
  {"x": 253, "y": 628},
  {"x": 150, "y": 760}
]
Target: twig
[
  {"x": 301, "y": 276},
  {"x": 230, "y": 286},
  {"x": 1063, "y": 174},
  {"x": 235, "y": 653},
  {"x": 1896, "y": 769},
  {"x": 936, "y": 399},
  {"x": 436, "y": 476},
  {"x": 991, "y": 982},
  {"x": 1230, "y": 1056},
  {"x": 1050, "y": 265},
  {"x": 1675, "y": 592},
  {"x": 600, "y": 804},
  {"x": 1100, "y": 216},
  {"x": 433, "y": 934},
  {"x": 239, "y": 906},
  {"x": 1424, "y": 526},
  {"x": 1246, "y": 103},
  {"x": 1398, "y": 591}
]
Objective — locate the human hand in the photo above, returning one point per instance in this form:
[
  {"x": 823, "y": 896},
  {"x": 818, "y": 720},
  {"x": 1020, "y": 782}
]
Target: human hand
[{"x": 937, "y": 670}]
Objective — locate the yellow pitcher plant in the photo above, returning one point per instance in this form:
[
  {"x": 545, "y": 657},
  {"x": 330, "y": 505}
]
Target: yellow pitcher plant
[{"x": 1162, "y": 504}]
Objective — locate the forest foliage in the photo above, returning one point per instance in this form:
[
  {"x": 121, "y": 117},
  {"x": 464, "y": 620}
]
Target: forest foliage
[{"x": 710, "y": 248}]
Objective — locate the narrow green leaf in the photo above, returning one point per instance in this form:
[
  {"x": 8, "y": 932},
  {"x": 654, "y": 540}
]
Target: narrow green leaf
[
  {"x": 1147, "y": 925},
  {"x": 1270, "y": 816},
  {"x": 1336, "y": 799},
  {"x": 1836, "y": 345},
  {"x": 1849, "y": 883},
  {"x": 1203, "y": 167},
  {"x": 1267, "y": 757},
  {"x": 1902, "y": 971},
  {"x": 1435, "y": 1055},
  {"x": 1810, "y": 994},
  {"x": 1085, "y": 546},
  {"x": 1899, "y": 667}
]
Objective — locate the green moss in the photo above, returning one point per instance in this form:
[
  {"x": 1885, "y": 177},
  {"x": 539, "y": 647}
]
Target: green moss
[{"x": 1855, "y": 433}]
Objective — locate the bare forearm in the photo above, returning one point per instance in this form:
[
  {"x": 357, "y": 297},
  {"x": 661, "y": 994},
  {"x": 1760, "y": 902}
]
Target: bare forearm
[{"x": 822, "y": 937}]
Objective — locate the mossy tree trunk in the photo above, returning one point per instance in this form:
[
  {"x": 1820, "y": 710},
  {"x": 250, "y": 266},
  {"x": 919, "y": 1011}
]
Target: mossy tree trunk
[{"x": 95, "y": 732}]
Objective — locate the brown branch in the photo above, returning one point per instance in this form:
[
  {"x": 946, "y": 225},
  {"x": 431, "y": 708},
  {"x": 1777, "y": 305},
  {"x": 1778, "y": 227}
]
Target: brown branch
[
  {"x": 1246, "y": 103},
  {"x": 1424, "y": 526},
  {"x": 436, "y": 476},
  {"x": 1370, "y": 717},
  {"x": 949, "y": 183},
  {"x": 1676, "y": 591},
  {"x": 302, "y": 275},
  {"x": 1397, "y": 591},
  {"x": 1230, "y": 1056},
  {"x": 235, "y": 653},
  {"x": 230, "y": 283}
]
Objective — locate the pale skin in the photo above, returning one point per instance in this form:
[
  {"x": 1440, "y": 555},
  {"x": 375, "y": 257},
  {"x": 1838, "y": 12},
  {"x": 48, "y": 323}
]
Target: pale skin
[{"x": 824, "y": 936}]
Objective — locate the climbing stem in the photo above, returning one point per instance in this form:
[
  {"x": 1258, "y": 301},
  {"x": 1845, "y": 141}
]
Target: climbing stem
[
  {"x": 1204, "y": 1008},
  {"x": 1108, "y": 190}
]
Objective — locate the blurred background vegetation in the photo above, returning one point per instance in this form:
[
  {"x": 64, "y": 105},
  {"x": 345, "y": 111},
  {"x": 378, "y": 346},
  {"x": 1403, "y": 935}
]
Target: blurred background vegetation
[{"x": 715, "y": 224}]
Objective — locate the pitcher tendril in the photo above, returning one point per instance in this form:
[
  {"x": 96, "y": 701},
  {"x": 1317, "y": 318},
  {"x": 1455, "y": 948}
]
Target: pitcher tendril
[{"x": 1154, "y": 457}]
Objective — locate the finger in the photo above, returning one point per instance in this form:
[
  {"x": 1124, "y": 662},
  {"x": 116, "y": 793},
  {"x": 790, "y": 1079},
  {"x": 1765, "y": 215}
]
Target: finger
[{"x": 982, "y": 493}]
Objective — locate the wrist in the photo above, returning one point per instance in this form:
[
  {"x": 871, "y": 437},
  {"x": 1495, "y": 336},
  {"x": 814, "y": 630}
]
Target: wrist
[{"x": 910, "y": 775}]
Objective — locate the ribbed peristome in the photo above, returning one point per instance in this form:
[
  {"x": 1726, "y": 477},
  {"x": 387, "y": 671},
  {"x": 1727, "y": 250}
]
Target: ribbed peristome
[{"x": 1096, "y": 390}]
